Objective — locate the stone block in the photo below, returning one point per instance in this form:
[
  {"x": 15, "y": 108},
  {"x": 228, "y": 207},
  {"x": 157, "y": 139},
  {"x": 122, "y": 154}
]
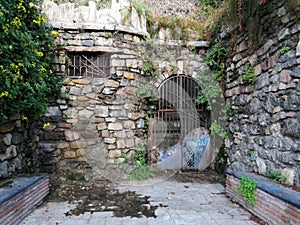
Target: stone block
[
  {"x": 71, "y": 113},
  {"x": 7, "y": 127},
  {"x": 71, "y": 135},
  {"x": 10, "y": 153},
  {"x": 131, "y": 90},
  {"x": 109, "y": 140},
  {"x": 75, "y": 91},
  {"x": 101, "y": 111},
  {"x": 82, "y": 98},
  {"x": 108, "y": 91},
  {"x": 120, "y": 134},
  {"x": 111, "y": 84},
  {"x": 290, "y": 174},
  {"x": 119, "y": 113},
  {"x": 47, "y": 147},
  {"x": 285, "y": 76},
  {"x": 98, "y": 81},
  {"x": 81, "y": 81},
  {"x": 69, "y": 154},
  {"x": 129, "y": 143},
  {"x": 134, "y": 116},
  {"x": 114, "y": 153},
  {"x": 64, "y": 125},
  {"x": 102, "y": 126},
  {"x": 127, "y": 37},
  {"x": 269, "y": 63},
  {"x": 87, "y": 89},
  {"x": 115, "y": 62},
  {"x": 110, "y": 120},
  {"x": 101, "y": 41},
  {"x": 111, "y": 147},
  {"x": 121, "y": 143},
  {"x": 136, "y": 39},
  {"x": 261, "y": 165},
  {"x": 78, "y": 144},
  {"x": 85, "y": 113},
  {"x": 17, "y": 138},
  {"x": 81, "y": 159},
  {"x": 3, "y": 168},
  {"x": 80, "y": 152},
  {"x": 257, "y": 70},
  {"x": 128, "y": 124},
  {"x": 130, "y": 134},
  {"x": 105, "y": 134},
  {"x": 115, "y": 126},
  {"x": 7, "y": 139},
  {"x": 298, "y": 49},
  {"x": 282, "y": 34},
  {"x": 129, "y": 75},
  {"x": 62, "y": 145},
  {"x": 53, "y": 111}
]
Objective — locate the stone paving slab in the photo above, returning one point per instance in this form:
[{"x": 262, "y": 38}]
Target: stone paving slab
[{"x": 185, "y": 204}]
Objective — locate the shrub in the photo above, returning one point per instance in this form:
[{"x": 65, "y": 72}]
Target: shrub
[{"x": 25, "y": 55}]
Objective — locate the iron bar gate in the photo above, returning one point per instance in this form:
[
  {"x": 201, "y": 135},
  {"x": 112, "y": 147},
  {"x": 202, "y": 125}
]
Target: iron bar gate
[{"x": 178, "y": 114}]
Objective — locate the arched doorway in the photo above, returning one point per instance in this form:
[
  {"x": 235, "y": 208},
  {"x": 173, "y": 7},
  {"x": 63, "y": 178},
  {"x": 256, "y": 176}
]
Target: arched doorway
[{"x": 173, "y": 132}]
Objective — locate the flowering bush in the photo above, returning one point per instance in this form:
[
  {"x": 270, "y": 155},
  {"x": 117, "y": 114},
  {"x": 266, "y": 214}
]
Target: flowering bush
[{"x": 26, "y": 46}]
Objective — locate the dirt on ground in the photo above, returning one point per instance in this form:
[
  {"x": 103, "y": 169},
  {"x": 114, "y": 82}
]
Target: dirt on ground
[{"x": 103, "y": 196}]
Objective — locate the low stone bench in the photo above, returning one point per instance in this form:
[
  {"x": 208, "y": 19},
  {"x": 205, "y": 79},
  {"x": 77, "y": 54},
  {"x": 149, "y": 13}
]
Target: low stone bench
[
  {"x": 275, "y": 204},
  {"x": 20, "y": 196}
]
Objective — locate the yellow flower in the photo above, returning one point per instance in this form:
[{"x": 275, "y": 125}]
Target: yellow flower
[
  {"x": 5, "y": 93},
  {"x": 54, "y": 33},
  {"x": 10, "y": 47},
  {"x": 16, "y": 22},
  {"x": 42, "y": 69},
  {"x": 24, "y": 117},
  {"x": 39, "y": 54},
  {"x": 46, "y": 125},
  {"x": 5, "y": 29}
]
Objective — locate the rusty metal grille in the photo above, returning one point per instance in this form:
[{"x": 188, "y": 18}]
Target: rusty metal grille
[
  {"x": 88, "y": 65},
  {"x": 178, "y": 113}
]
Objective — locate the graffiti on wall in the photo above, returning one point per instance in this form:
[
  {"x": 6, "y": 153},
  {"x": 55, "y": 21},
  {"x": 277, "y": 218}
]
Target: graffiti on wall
[{"x": 188, "y": 155}]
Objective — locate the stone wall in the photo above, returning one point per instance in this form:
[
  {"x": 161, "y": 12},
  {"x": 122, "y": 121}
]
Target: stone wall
[
  {"x": 11, "y": 137},
  {"x": 98, "y": 121},
  {"x": 264, "y": 130}
]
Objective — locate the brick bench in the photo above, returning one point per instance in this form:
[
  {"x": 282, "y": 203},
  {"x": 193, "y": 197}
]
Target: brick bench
[
  {"x": 275, "y": 204},
  {"x": 20, "y": 196}
]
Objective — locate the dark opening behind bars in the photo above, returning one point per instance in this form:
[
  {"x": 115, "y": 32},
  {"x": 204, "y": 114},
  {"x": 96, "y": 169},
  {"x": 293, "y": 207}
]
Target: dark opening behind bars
[
  {"x": 178, "y": 112},
  {"x": 88, "y": 65}
]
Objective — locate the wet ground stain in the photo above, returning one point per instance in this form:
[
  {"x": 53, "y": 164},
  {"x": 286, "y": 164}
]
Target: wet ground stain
[{"x": 94, "y": 198}]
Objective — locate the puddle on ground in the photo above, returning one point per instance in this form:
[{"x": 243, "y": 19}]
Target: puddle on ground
[{"x": 93, "y": 198}]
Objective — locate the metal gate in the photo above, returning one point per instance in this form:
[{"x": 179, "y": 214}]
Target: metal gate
[{"x": 177, "y": 116}]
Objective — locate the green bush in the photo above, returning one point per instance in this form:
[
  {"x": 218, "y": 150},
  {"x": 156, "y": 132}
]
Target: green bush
[{"x": 25, "y": 55}]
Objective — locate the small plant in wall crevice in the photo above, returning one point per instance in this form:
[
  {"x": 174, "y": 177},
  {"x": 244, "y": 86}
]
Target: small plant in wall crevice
[
  {"x": 147, "y": 93},
  {"x": 275, "y": 176},
  {"x": 248, "y": 75},
  {"x": 149, "y": 68}
]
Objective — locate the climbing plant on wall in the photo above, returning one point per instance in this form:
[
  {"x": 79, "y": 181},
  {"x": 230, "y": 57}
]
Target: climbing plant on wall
[{"x": 26, "y": 44}]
